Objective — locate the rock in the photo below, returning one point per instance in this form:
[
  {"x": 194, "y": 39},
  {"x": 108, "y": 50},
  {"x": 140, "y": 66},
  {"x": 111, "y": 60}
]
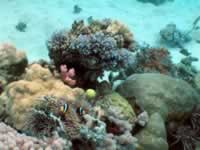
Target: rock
[
  {"x": 153, "y": 136},
  {"x": 118, "y": 103},
  {"x": 159, "y": 93},
  {"x": 12, "y": 63},
  {"x": 20, "y": 96}
]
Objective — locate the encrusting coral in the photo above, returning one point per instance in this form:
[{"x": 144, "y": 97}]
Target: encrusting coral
[{"x": 90, "y": 50}]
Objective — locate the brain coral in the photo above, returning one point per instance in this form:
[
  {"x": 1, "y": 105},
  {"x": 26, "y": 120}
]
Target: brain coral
[{"x": 20, "y": 96}]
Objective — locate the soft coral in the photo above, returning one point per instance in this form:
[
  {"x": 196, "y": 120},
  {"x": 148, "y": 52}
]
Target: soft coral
[{"x": 67, "y": 75}]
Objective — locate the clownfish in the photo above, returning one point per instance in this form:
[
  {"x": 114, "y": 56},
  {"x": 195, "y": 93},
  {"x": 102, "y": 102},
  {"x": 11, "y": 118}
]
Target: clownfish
[
  {"x": 80, "y": 111},
  {"x": 64, "y": 108}
]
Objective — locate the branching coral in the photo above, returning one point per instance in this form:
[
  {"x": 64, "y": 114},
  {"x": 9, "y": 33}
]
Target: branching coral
[{"x": 102, "y": 45}]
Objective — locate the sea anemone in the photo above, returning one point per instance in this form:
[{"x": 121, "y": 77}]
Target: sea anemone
[
  {"x": 184, "y": 133},
  {"x": 185, "y": 137}
]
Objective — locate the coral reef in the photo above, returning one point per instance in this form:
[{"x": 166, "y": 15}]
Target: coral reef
[
  {"x": 12, "y": 63},
  {"x": 102, "y": 45},
  {"x": 20, "y": 96},
  {"x": 11, "y": 139}
]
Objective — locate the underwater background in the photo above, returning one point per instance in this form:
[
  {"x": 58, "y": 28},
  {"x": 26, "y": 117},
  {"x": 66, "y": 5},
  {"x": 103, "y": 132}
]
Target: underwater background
[
  {"x": 100, "y": 75},
  {"x": 145, "y": 20}
]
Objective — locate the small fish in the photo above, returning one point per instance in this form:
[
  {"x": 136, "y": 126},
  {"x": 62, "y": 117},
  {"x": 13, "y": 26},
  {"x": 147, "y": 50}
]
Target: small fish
[
  {"x": 198, "y": 41},
  {"x": 64, "y": 108},
  {"x": 80, "y": 111},
  {"x": 184, "y": 52}
]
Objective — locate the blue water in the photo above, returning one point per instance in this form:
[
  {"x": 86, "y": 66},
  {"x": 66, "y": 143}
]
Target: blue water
[{"x": 44, "y": 17}]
